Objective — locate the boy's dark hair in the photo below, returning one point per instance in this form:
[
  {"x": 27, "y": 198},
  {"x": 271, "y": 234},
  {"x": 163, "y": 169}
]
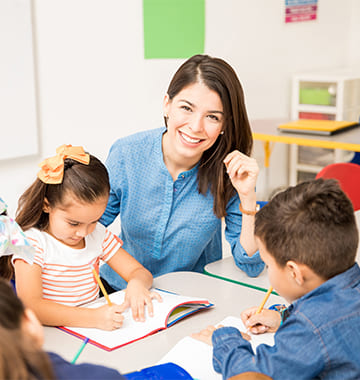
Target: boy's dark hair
[
  {"x": 312, "y": 223},
  {"x": 86, "y": 182},
  {"x": 19, "y": 358}
]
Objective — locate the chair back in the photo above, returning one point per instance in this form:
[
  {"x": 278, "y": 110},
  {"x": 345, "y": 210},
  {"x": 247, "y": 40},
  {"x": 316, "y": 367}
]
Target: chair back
[{"x": 348, "y": 175}]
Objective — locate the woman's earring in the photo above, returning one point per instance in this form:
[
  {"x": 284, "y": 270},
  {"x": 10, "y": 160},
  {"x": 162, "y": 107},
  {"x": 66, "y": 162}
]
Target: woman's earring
[{"x": 222, "y": 132}]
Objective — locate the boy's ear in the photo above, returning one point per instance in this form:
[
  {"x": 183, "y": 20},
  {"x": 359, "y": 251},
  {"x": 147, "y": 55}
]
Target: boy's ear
[
  {"x": 46, "y": 205},
  {"x": 296, "y": 272}
]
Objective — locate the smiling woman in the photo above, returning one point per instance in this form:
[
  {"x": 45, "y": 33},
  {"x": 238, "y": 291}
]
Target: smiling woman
[{"x": 171, "y": 186}]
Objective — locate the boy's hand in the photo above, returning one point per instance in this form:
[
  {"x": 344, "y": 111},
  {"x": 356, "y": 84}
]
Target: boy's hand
[
  {"x": 265, "y": 321},
  {"x": 205, "y": 335},
  {"x": 108, "y": 317},
  {"x": 136, "y": 297}
]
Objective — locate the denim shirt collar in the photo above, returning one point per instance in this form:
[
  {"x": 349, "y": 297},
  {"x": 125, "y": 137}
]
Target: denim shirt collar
[{"x": 347, "y": 279}]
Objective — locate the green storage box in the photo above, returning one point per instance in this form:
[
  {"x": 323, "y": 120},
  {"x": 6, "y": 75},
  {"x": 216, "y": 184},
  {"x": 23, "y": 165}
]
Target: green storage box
[{"x": 318, "y": 96}]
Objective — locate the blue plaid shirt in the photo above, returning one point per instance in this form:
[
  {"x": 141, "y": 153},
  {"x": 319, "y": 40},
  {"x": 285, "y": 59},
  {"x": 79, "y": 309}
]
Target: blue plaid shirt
[{"x": 165, "y": 224}]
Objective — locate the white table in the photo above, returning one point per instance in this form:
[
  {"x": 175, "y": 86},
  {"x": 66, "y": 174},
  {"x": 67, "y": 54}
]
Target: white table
[
  {"x": 226, "y": 269},
  {"x": 229, "y": 299}
]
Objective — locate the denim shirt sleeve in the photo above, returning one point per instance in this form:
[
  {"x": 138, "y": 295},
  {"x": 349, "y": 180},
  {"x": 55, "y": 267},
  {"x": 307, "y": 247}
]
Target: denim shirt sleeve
[
  {"x": 253, "y": 265},
  {"x": 298, "y": 351},
  {"x": 113, "y": 165}
]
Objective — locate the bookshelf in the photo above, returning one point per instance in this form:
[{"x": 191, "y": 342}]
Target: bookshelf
[{"x": 332, "y": 94}]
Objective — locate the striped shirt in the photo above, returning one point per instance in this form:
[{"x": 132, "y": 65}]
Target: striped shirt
[{"x": 67, "y": 277}]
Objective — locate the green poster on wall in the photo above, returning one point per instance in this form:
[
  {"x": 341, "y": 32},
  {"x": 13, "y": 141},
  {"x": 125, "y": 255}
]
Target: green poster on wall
[{"x": 173, "y": 28}]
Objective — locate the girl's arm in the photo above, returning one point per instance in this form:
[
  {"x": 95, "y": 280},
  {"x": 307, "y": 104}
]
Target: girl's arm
[
  {"x": 139, "y": 282},
  {"x": 29, "y": 289}
]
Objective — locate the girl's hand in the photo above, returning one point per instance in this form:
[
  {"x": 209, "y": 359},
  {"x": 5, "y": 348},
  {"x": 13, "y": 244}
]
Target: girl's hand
[
  {"x": 265, "y": 321},
  {"x": 243, "y": 172},
  {"x": 136, "y": 297},
  {"x": 108, "y": 317}
]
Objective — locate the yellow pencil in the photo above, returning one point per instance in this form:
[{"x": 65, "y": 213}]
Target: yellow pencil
[
  {"x": 97, "y": 278},
  {"x": 267, "y": 295}
]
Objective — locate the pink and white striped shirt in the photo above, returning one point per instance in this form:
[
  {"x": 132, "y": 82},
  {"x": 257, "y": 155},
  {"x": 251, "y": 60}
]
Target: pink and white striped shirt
[{"x": 67, "y": 277}]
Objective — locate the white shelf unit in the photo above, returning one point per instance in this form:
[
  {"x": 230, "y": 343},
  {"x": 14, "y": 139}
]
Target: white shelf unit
[{"x": 339, "y": 100}]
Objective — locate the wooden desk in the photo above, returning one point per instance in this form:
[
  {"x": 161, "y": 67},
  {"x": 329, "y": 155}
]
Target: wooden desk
[
  {"x": 226, "y": 269},
  {"x": 229, "y": 299},
  {"x": 266, "y": 130}
]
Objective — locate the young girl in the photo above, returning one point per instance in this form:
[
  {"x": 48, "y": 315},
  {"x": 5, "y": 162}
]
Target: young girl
[{"x": 60, "y": 213}]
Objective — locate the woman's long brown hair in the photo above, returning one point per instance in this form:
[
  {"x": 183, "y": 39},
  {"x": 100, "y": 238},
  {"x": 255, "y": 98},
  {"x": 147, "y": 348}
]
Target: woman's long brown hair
[{"x": 220, "y": 77}]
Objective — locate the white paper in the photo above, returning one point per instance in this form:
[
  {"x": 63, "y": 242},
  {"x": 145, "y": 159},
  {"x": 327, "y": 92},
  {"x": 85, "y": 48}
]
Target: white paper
[
  {"x": 132, "y": 330},
  {"x": 196, "y": 357}
]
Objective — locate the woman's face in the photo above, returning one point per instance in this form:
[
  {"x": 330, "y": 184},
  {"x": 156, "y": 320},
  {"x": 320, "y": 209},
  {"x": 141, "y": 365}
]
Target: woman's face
[{"x": 195, "y": 120}]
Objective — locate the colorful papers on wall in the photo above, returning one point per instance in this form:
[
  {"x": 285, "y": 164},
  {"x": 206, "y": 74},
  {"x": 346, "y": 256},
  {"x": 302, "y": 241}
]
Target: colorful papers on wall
[
  {"x": 300, "y": 10},
  {"x": 173, "y": 29}
]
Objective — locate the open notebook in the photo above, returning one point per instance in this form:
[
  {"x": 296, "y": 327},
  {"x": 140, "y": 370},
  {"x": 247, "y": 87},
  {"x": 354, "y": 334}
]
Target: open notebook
[
  {"x": 173, "y": 308},
  {"x": 196, "y": 357},
  {"x": 317, "y": 127}
]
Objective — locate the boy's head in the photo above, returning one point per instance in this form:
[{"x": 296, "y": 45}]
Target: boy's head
[{"x": 311, "y": 224}]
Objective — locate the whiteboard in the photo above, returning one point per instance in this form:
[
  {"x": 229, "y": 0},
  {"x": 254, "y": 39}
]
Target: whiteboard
[{"x": 18, "y": 118}]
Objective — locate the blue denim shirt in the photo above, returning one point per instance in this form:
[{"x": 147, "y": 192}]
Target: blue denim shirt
[
  {"x": 320, "y": 338},
  {"x": 165, "y": 224}
]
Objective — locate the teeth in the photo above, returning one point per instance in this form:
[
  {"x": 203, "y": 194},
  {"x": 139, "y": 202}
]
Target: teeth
[{"x": 189, "y": 139}]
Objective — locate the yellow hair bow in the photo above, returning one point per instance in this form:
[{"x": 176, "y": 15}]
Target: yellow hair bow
[{"x": 52, "y": 169}]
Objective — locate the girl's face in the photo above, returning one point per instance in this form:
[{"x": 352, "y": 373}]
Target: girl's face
[
  {"x": 195, "y": 120},
  {"x": 71, "y": 222}
]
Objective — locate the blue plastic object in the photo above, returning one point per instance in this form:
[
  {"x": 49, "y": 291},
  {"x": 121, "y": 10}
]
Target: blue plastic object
[{"x": 167, "y": 371}]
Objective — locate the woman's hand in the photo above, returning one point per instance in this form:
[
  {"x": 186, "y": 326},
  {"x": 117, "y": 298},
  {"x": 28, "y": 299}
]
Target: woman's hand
[
  {"x": 265, "y": 321},
  {"x": 136, "y": 297},
  {"x": 243, "y": 172}
]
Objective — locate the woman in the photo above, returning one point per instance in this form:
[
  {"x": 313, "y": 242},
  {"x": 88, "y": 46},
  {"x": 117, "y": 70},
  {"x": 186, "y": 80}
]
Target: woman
[{"x": 172, "y": 186}]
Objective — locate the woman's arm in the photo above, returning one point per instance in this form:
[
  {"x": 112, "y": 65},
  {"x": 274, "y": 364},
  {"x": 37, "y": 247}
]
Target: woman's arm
[
  {"x": 139, "y": 280},
  {"x": 243, "y": 172},
  {"x": 29, "y": 289}
]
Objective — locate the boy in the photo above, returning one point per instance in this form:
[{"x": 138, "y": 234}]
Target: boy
[{"x": 308, "y": 238}]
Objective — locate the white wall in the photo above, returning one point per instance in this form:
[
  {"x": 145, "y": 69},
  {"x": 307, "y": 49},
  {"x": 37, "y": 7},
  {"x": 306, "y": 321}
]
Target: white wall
[{"x": 95, "y": 86}]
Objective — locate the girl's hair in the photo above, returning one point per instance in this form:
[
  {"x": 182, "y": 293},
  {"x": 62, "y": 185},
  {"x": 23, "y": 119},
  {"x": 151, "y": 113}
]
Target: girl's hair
[
  {"x": 85, "y": 182},
  {"x": 6, "y": 268},
  {"x": 19, "y": 359},
  {"x": 220, "y": 77}
]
